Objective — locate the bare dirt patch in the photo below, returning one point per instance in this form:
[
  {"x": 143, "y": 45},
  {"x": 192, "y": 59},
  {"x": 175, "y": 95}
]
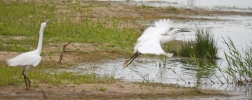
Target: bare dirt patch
[{"x": 119, "y": 90}]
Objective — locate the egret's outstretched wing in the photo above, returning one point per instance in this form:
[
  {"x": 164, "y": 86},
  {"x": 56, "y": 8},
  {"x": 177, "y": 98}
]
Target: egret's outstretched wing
[
  {"x": 163, "y": 25},
  {"x": 160, "y": 27},
  {"x": 149, "y": 46},
  {"x": 25, "y": 59}
]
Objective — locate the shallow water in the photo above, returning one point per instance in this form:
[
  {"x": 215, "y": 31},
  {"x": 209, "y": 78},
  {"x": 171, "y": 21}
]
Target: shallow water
[
  {"x": 237, "y": 28},
  {"x": 224, "y": 5}
]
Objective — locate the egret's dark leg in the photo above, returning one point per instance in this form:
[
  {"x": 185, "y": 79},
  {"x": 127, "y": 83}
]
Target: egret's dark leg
[
  {"x": 126, "y": 62},
  {"x": 27, "y": 84},
  {"x": 131, "y": 59},
  {"x": 23, "y": 73},
  {"x": 163, "y": 60}
]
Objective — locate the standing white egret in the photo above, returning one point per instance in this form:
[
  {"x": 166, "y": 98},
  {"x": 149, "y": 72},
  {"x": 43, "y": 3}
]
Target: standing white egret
[
  {"x": 152, "y": 38},
  {"x": 31, "y": 58}
]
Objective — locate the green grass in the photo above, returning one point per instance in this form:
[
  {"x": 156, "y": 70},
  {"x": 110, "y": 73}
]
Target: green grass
[
  {"x": 23, "y": 19},
  {"x": 100, "y": 88},
  {"x": 145, "y": 6},
  {"x": 173, "y": 47},
  {"x": 45, "y": 75},
  {"x": 203, "y": 47},
  {"x": 172, "y": 9},
  {"x": 201, "y": 54},
  {"x": 239, "y": 67}
]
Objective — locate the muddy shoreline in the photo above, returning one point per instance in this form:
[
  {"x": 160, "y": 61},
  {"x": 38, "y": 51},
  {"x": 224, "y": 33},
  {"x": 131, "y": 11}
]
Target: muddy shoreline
[{"x": 118, "y": 90}]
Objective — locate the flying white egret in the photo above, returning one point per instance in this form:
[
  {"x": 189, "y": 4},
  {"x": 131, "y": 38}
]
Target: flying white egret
[
  {"x": 31, "y": 58},
  {"x": 152, "y": 38}
]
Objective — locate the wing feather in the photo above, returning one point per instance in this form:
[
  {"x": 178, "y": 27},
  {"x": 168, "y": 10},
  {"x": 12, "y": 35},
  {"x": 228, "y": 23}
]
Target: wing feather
[
  {"x": 160, "y": 27},
  {"x": 149, "y": 46},
  {"x": 25, "y": 59}
]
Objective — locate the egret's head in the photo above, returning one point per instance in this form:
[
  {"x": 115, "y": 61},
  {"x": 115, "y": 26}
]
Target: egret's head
[
  {"x": 176, "y": 30},
  {"x": 45, "y": 23}
]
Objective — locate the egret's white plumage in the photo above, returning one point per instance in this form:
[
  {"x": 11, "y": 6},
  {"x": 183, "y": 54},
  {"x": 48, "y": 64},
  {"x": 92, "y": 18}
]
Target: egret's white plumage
[
  {"x": 150, "y": 46},
  {"x": 152, "y": 38},
  {"x": 160, "y": 27},
  {"x": 31, "y": 58}
]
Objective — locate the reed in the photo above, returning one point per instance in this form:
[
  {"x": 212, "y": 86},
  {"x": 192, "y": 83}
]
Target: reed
[
  {"x": 203, "y": 47},
  {"x": 239, "y": 67}
]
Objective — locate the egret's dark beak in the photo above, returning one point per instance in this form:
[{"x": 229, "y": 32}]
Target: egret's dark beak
[
  {"x": 47, "y": 22},
  {"x": 184, "y": 31}
]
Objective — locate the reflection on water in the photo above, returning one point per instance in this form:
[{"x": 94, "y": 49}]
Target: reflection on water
[
  {"x": 146, "y": 69},
  {"x": 203, "y": 70}
]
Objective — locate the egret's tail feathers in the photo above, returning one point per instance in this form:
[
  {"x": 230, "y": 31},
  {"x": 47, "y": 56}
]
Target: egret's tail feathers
[
  {"x": 8, "y": 62},
  {"x": 127, "y": 62},
  {"x": 169, "y": 54},
  {"x": 18, "y": 60},
  {"x": 11, "y": 62}
]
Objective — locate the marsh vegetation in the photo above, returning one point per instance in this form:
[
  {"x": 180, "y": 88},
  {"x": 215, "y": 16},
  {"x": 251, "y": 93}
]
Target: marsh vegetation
[
  {"x": 97, "y": 33},
  {"x": 239, "y": 69},
  {"x": 204, "y": 46}
]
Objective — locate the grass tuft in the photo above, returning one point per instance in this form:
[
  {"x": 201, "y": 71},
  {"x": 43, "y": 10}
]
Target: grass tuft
[
  {"x": 203, "y": 47},
  {"x": 239, "y": 66}
]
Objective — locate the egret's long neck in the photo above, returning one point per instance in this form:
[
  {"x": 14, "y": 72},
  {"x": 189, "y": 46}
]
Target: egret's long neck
[
  {"x": 172, "y": 33},
  {"x": 39, "y": 48},
  {"x": 166, "y": 39}
]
